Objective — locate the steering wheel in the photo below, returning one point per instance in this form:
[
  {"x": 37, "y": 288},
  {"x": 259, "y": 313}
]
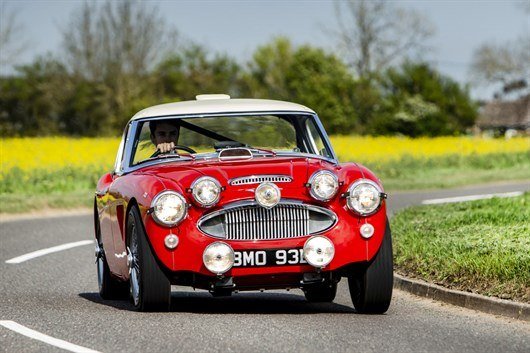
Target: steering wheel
[
  {"x": 184, "y": 148},
  {"x": 177, "y": 147}
]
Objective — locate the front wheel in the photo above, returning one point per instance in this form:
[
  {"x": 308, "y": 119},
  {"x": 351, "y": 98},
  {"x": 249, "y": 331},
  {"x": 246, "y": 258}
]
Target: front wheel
[
  {"x": 371, "y": 288},
  {"x": 149, "y": 287}
]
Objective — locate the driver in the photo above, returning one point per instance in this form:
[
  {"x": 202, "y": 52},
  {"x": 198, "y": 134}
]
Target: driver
[{"x": 164, "y": 134}]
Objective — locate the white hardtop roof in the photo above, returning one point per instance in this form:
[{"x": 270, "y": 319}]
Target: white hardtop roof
[{"x": 211, "y": 106}]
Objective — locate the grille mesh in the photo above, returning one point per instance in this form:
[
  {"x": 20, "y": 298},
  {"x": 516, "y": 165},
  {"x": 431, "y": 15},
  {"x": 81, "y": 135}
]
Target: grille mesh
[
  {"x": 257, "y": 223},
  {"x": 260, "y": 179}
]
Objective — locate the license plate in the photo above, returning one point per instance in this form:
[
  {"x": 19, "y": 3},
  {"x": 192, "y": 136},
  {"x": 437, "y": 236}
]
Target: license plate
[{"x": 266, "y": 258}]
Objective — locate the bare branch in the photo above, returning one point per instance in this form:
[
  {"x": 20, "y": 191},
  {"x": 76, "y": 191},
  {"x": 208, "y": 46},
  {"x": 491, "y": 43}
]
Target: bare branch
[
  {"x": 115, "y": 38},
  {"x": 12, "y": 43},
  {"x": 503, "y": 63},
  {"x": 374, "y": 34}
]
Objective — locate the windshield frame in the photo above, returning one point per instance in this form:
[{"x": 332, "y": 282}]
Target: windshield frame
[{"x": 134, "y": 131}]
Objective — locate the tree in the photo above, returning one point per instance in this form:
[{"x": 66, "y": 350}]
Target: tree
[
  {"x": 117, "y": 44},
  {"x": 420, "y": 101},
  {"x": 373, "y": 34},
  {"x": 507, "y": 64},
  {"x": 194, "y": 71},
  {"x": 306, "y": 75},
  {"x": 31, "y": 102},
  {"x": 115, "y": 38},
  {"x": 268, "y": 68},
  {"x": 502, "y": 63}
]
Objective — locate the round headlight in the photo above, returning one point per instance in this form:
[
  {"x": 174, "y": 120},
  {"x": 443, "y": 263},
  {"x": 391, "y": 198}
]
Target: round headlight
[
  {"x": 268, "y": 195},
  {"x": 324, "y": 185},
  {"x": 364, "y": 197},
  {"x": 218, "y": 257},
  {"x": 169, "y": 208},
  {"x": 319, "y": 251},
  {"x": 206, "y": 191}
]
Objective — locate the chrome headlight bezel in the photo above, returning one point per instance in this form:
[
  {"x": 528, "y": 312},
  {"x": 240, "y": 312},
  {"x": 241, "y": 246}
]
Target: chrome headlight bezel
[
  {"x": 351, "y": 190},
  {"x": 158, "y": 199},
  {"x": 313, "y": 181},
  {"x": 195, "y": 190}
]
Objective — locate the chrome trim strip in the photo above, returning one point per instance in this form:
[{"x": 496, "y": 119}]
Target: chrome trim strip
[{"x": 257, "y": 179}]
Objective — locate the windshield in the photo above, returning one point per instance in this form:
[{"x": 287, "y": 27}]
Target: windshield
[{"x": 197, "y": 135}]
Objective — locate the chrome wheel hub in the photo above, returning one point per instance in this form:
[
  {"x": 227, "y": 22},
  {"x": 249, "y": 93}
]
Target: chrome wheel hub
[
  {"x": 134, "y": 269},
  {"x": 99, "y": 264}
]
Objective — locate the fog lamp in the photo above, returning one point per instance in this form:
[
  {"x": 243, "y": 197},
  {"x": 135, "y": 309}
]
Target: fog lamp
[
  {"x": 319, "y": 251},
  {"x": 218, "y": 257},
  {"x": 267, "y": 195}
]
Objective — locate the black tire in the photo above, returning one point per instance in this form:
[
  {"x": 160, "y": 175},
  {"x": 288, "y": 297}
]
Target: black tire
[
  {"x": 371, "y": 289},
  {"x": 109, "y": 287},
  {"x": 322, "y": 293},
  {"x": 149, "y": 287}
]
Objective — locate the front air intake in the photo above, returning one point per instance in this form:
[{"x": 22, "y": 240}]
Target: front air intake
[{"x": 252, "y": 222}]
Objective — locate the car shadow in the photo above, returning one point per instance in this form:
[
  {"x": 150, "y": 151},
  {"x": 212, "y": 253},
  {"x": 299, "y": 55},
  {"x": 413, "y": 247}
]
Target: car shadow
[{"x": 241, "y": 303}]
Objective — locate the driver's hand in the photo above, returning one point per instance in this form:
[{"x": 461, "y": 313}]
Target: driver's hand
[{"x": 165, "y": 147}]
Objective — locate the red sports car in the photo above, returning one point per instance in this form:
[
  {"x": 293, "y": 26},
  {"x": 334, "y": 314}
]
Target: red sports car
[{"x": 232, "y": 195}]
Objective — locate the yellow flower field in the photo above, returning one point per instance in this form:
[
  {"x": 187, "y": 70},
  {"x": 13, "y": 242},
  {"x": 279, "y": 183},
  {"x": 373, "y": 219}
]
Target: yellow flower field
[
  {"x": 54, "y": 153},
  {"x": 385, "y": 149}
]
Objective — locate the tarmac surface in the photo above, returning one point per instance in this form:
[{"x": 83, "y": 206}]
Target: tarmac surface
[{"x": 56, "y": 295}]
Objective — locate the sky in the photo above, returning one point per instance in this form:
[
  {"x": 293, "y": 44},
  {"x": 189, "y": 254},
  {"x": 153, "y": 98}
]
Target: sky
[{"x": 238, "y": 27}]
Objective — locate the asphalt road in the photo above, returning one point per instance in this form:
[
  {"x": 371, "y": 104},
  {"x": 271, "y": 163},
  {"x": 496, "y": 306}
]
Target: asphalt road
[{"x": 56, "y": 295}]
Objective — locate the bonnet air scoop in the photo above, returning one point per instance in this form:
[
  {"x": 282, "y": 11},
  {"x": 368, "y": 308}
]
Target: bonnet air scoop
[
  {"x": 228, "y": 154},
  {"x": 205, "y": 97}
]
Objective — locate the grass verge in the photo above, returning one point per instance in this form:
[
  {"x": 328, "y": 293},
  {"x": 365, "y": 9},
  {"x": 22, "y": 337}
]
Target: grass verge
[
  {"x": 451, "y": 171},
  {"x": 480, "y": 246}
]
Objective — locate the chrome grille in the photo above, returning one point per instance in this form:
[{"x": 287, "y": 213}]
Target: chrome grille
[
  {"x": 256, "y": 179},
  {"x": 247, "y": 221},
  {"x": 258, "y": 223}
]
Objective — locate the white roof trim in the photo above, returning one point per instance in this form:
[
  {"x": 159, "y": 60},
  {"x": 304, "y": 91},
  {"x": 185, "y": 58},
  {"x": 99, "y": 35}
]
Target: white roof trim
[{"x": 211, "y": 106}]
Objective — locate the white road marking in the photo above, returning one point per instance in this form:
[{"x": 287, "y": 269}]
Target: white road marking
[
  {"x": 23, "y": 330},
  {"x": 34, "y": 254},
  {"x": 471, "y": 198}
]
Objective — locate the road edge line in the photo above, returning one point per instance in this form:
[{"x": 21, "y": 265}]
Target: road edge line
[
  {"x": 466, "y": 198},
  {"x": 47, "y": 214},
  {"x": 489, "y": 305},
  {"x": 46, "y": 251},
  {"x": 36, "y": 335}
]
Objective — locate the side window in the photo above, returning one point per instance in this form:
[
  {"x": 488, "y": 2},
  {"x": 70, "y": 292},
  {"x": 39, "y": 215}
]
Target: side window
[{"x": 315, "y": 140}]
